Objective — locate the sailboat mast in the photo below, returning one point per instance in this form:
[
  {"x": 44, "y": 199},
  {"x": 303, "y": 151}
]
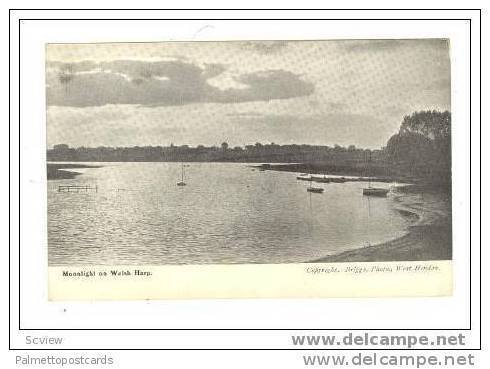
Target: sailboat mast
[{"x": 369, "y": 171}]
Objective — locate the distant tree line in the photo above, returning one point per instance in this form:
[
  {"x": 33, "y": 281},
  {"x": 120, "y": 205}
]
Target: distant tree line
[{"x": 258, "y": 152}]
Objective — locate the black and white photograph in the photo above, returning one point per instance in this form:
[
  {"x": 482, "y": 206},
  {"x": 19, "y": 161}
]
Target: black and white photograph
[
  {"x": 263, "y": 187},
  {"x": 248, "y": 152}
]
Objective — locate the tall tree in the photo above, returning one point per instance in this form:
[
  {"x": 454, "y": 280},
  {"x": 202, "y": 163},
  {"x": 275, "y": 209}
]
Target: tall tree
[
  {"x": 422, "y": 147},
  {"x": 432, "y": 124}
]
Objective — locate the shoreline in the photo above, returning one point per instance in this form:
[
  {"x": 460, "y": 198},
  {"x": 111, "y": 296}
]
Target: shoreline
[
  {"x": 55, "y": 171},
  {"x": 348, "y": 172},
  {"x": 428, "y": 238}
]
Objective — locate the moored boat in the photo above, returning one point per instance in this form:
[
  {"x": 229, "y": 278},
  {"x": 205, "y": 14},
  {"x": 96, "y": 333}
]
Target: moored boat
[
  {"x": 338, "y": 180},
  {"x": 375, "y": 191},
  {"x": 323, "y": 179},
  {"x": 315, "y": 189},
  {"x": 304, "y": 178},
  {"x": 182, "y": 183}
]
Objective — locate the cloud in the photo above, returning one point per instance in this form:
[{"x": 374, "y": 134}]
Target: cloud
[
  {"x": 267, "y": 85},
  {"x": 370, "y": 45},
  {"x": 162, "y": 83},
  {"x": 265, "y": 47},
  {"x": 384, "y": 45},
  {"x": 245, "y": 114}
]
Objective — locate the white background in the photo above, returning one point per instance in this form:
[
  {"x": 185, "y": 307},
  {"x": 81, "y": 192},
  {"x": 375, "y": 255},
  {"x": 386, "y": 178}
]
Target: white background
[{"x": 329, "y": 313}]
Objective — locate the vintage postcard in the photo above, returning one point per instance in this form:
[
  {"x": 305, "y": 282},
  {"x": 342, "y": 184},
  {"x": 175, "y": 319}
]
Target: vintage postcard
[{"x": 249, "y": 169}]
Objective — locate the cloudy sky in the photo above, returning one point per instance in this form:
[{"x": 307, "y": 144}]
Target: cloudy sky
[{"x": 313, "y": 92}]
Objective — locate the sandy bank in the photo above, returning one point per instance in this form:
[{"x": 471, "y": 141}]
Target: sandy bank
[{"x": 428, "y": 238}]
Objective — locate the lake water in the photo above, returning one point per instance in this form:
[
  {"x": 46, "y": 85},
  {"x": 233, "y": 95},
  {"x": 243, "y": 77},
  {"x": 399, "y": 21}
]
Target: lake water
[{"x": 227, "y": 213}]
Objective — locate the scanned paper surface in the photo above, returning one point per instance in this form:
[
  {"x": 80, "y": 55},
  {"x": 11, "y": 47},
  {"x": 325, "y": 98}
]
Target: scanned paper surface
[{"x": 249, "y": 169}]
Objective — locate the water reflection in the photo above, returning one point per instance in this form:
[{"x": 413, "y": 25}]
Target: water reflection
[{"x": 226, "y": 214}]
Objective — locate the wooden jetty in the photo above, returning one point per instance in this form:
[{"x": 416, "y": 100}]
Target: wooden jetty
[{"x": 76, "y": 188}]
